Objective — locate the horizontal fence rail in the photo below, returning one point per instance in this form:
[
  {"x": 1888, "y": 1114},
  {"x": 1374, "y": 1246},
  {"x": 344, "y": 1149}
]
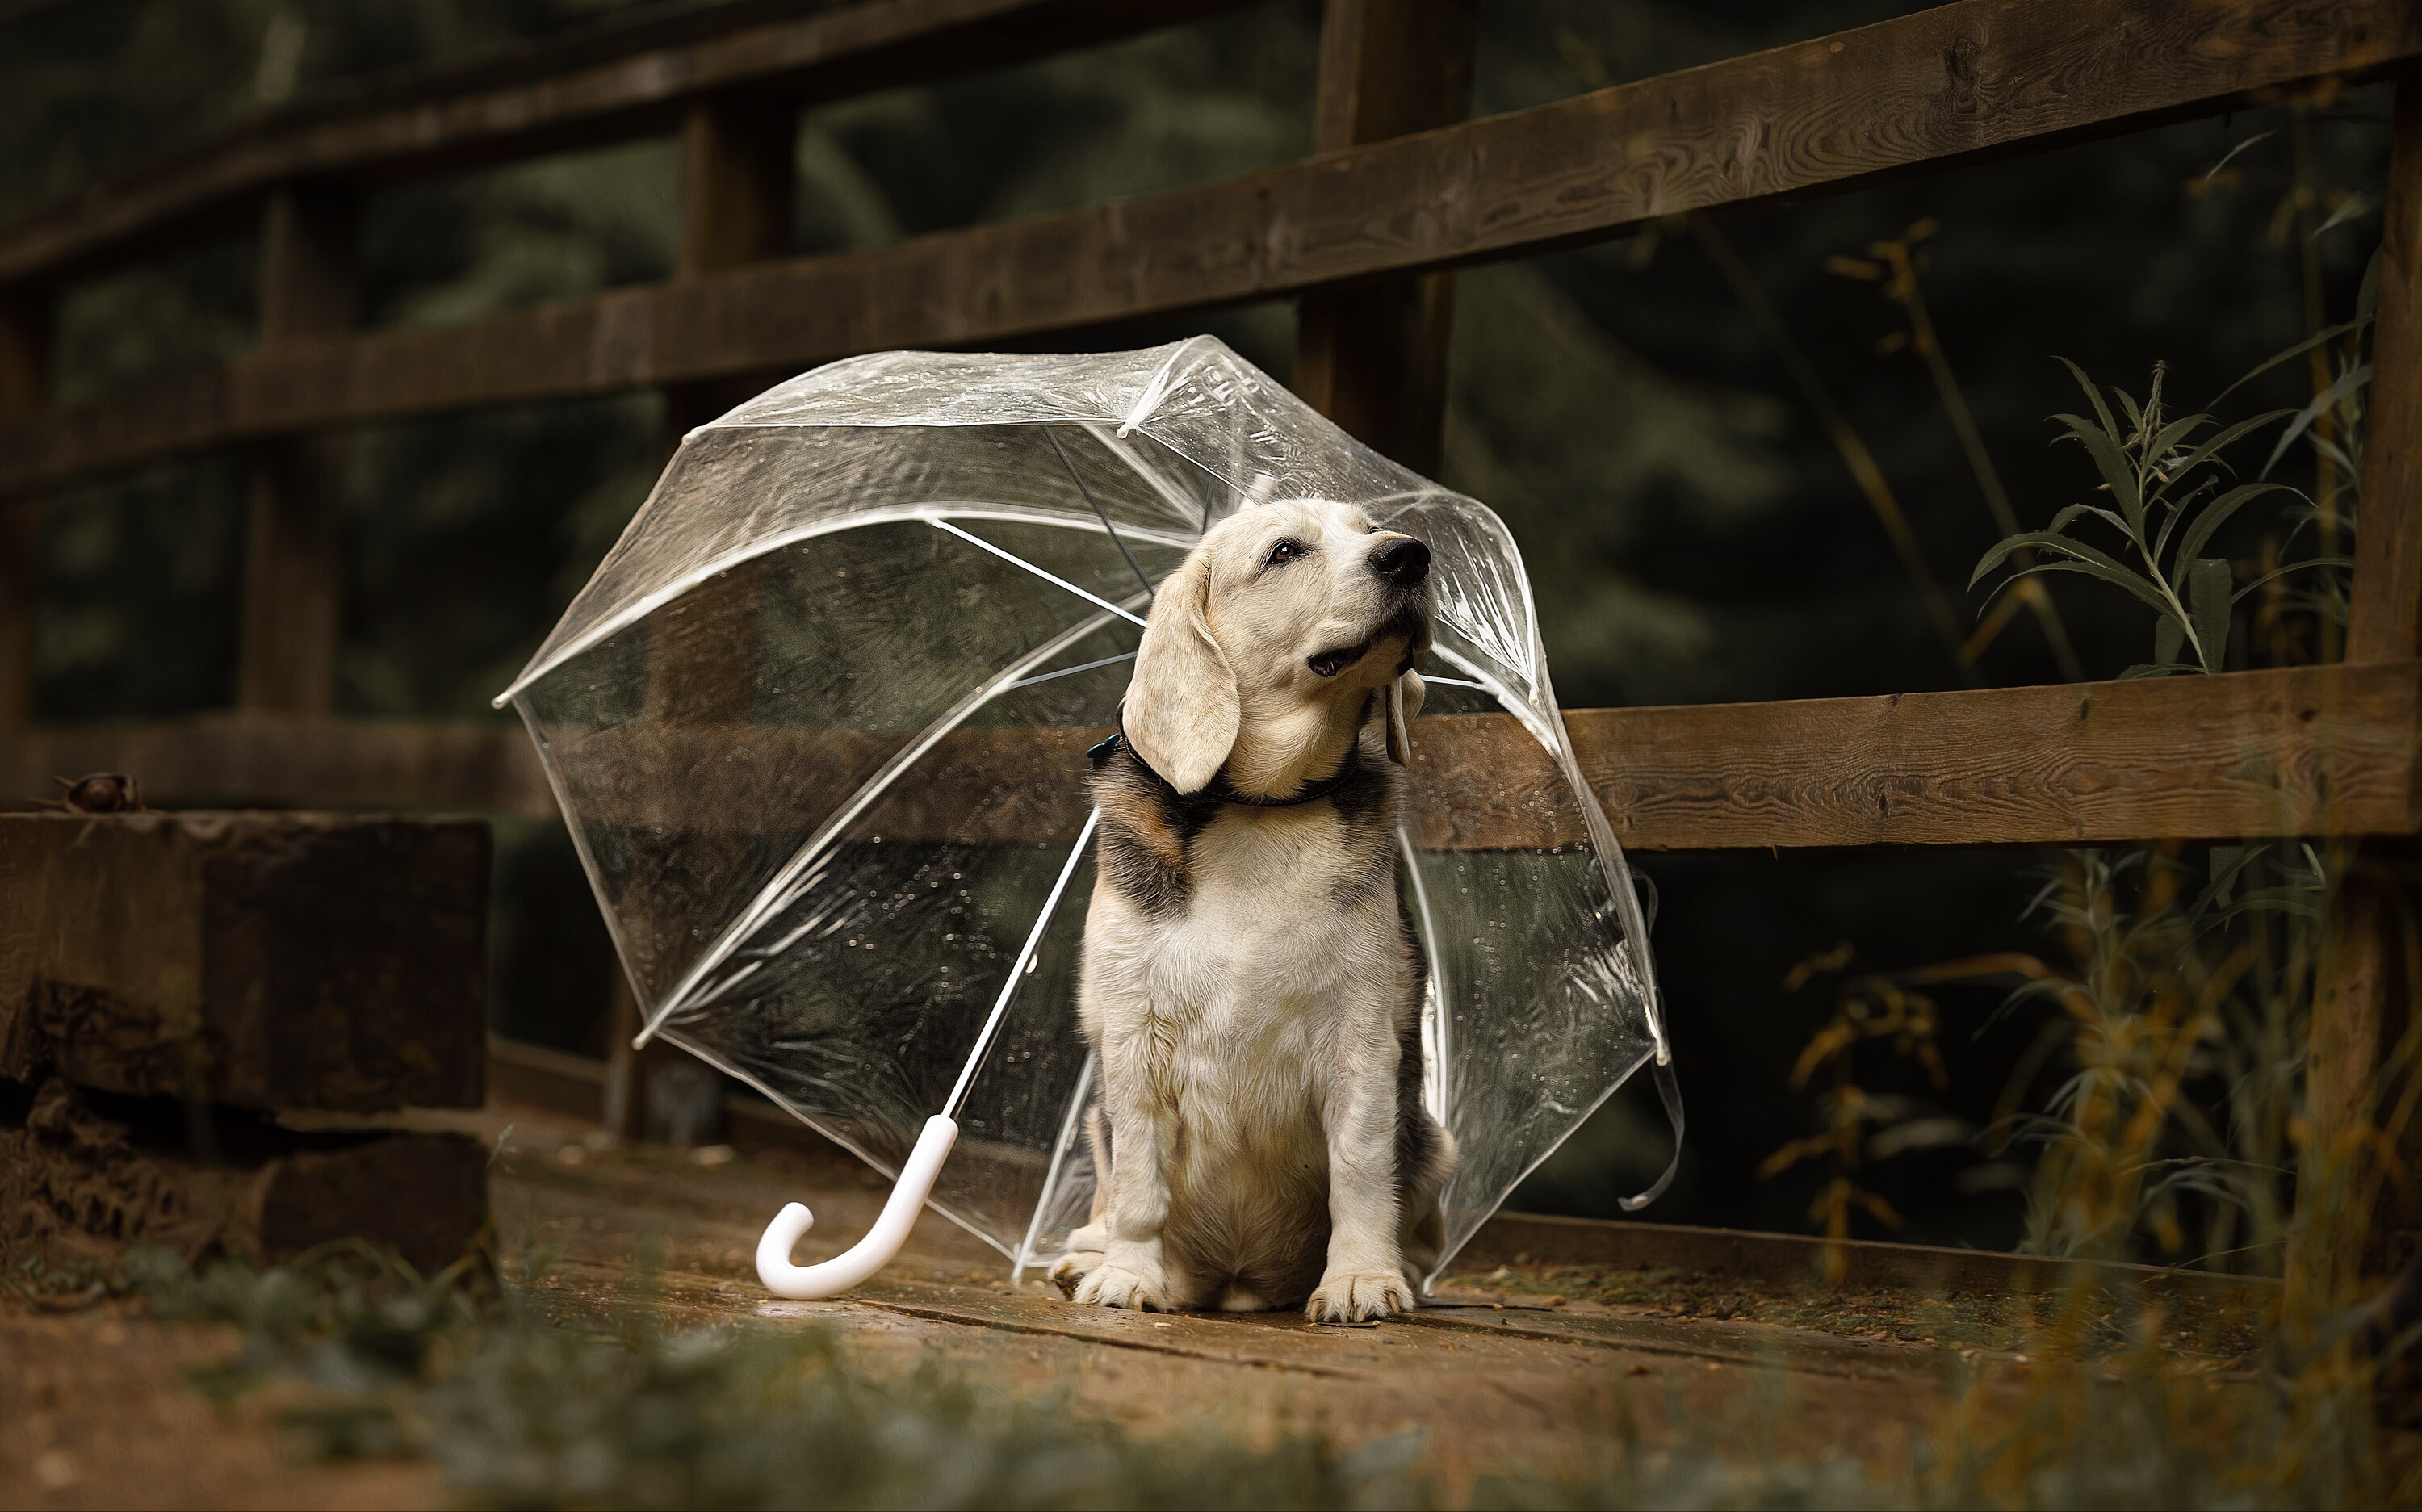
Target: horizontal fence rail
[
  {"x": 622, "y": 82},
  {"x": 1941, "y": 87},
  {"x": 2301, "y": 751}
]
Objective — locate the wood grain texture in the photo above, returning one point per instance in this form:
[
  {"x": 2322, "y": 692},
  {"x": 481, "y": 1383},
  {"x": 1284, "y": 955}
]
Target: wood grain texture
[
  {"x": 616, "y": 81},
  {"x": 238, "y": 763},
  {"x": 25, "y": 373},
  {"x": 86, "y": 1181},
  {"x": 1372, "y": 356},
  {"x": 2309, "y": 750},
  {"x": 2305, "y": 751},
  {"x": 2386, "y": 618},
  {"x": 1944, "y": 86},
  {"x": 267, "y": 961},
  {"x": 295, "y": 564},
  {"x": 2360, "y": 1002}
]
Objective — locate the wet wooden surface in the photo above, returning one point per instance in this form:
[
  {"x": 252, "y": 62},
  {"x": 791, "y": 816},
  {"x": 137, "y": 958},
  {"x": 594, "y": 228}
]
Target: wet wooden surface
[
  {"x": 1555, "y": 1347},
  {"x": 1541, "y": 1361}
]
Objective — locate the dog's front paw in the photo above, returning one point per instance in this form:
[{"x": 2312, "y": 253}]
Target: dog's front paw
[
  {"x": 1111, "y": 1283},
  {"x": 1072, "y": 1268},
  {"x": 1358, "y": 1296}
]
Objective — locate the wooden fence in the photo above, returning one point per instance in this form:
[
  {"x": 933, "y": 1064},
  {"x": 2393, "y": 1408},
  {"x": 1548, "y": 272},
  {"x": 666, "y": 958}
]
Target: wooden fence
[{"x": 1401, "y": 189}]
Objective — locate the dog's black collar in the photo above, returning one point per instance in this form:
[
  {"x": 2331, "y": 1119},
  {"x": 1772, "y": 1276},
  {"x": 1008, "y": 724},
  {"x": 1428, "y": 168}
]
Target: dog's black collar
[{"x": 1219, "y": 788}]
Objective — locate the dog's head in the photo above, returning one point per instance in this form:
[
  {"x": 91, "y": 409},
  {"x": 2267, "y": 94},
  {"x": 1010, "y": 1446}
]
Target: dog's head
[{"x": 1277, "y": 629}]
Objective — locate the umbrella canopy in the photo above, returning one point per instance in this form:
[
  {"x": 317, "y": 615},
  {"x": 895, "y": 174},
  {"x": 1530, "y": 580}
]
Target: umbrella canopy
[{"x": 818, "y": 725}]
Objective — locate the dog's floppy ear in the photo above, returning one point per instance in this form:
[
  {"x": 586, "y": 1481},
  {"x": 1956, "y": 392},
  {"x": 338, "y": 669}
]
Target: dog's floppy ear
[
  {"x": 1181, "y": 709},
  {"x": 1403, "y": 702}
]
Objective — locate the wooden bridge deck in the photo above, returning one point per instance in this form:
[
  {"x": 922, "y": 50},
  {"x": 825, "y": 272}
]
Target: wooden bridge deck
[
  {"x": 1547, "y": 1342},
  {"x": 1552, "y": 1346}
]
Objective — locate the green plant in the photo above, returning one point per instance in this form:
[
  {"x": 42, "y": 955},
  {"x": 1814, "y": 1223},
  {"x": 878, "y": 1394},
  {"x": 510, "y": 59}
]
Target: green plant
[
  {"x": 2165, "y": 477},
  {"x": 2171, "y": 493}
]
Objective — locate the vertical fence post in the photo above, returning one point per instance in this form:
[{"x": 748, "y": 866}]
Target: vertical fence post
[
  {"x": 294, "y": 567},
  {"x": 1372, "y": 357},
  {"x": 2357, "y": 1009},
  {"x": 736, "y": 174},
  {"x": 25, "y": 364}
]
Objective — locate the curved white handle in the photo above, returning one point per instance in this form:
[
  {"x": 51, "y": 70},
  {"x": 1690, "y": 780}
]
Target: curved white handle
[{"x": 869, "y": 1254}]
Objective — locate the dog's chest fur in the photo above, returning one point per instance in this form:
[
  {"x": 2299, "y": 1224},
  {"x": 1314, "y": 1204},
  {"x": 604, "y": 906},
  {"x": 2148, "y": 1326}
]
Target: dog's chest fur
[{"x": 1261, "y": 952}]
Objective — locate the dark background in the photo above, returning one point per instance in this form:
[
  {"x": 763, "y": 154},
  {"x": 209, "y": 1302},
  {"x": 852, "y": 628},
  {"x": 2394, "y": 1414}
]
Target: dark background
[{"x": 1693, "y": 535}]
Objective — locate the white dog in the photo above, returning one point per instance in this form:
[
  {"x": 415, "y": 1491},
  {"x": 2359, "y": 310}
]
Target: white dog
[{"x": 1252, "y": 983}]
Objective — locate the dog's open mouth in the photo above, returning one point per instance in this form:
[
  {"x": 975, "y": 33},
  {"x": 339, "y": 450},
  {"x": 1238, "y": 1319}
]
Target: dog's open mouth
[
  {"x": 1411, "y": 622},
  {"x": 1330, "y": 663}
]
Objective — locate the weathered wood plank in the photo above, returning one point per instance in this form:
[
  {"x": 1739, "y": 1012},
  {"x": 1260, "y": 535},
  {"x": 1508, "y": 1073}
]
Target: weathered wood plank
[
  {"x": 2361, "y": 1002},
  {"x": 1372, "y": 356},
  {"x": 2385, "y": 622},
  {"x": 276, "y": 763},
  {"x": 1945, "y": 86},
  {"x": 24, "y": 379},
  {"x": 615, "y": 82},
  {"x": 295, "y": 564},
  {"x": 269, "y": 961},
  {"x": 1522, "y": 1240},
  {"x": 2307, "y": 750}
]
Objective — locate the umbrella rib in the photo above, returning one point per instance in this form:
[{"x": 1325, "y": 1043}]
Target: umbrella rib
[
  {"x": 1430, "y": 945},
  {"x": 1016, "y": 561},
  {"x": 1180, "y": 504},
  {"x": 1081, "y": 666},
  {"x": 777, "y": 892},
  {"x": 550, "y": 658},
  {"x": 1052, "y": 434},
  {"x": 1051, "y": 1174},
  {"x": 1017, "y": 969}
]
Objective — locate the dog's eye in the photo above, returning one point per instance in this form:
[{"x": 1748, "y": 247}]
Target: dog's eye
[{"x": 1284, "y": 551}]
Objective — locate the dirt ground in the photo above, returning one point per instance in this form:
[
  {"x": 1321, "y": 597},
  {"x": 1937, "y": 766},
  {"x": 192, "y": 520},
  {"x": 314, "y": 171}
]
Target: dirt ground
[{"x": 1543, "y": 1367}]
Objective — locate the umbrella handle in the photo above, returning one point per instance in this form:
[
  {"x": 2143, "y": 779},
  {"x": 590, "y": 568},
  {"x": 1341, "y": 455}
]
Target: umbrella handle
[{"x": 870, "y": 1254}]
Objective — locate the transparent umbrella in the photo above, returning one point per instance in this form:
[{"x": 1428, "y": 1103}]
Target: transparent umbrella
[{"x": 819, "y": 727}]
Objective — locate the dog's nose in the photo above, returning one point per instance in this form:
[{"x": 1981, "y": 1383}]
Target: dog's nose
[{"x": 1403, "y": 560}]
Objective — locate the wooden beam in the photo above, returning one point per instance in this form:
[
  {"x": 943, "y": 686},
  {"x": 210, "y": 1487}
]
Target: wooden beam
[
  {"x": 250, "y": 763},
  {"x": 307, "y": 280},
  {"x": 1372, "y": 356},
  {"x": 2299, "y": 752},
  {"x": 265, "y": 961},
  {"x": 1947, "y": 86},
  {"x": 21, "y": 596},
  {"x": 617, "y": 82},
  {"x": 736, "y": 177},
  {"x": 25, "y": 382},
  {"x": 295, "y": 563},
  {"x": 262, "y": 1193},
  {"x": 2363, "y": 1001},
  {"x": 2385, "y": 622}
]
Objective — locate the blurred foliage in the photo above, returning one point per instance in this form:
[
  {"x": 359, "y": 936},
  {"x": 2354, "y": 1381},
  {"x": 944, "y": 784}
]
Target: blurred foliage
[
  {"x": 519, "y": 1406},
  {"x": 520, "y": 1410},
  {"x": 1691, "y": 523}
]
